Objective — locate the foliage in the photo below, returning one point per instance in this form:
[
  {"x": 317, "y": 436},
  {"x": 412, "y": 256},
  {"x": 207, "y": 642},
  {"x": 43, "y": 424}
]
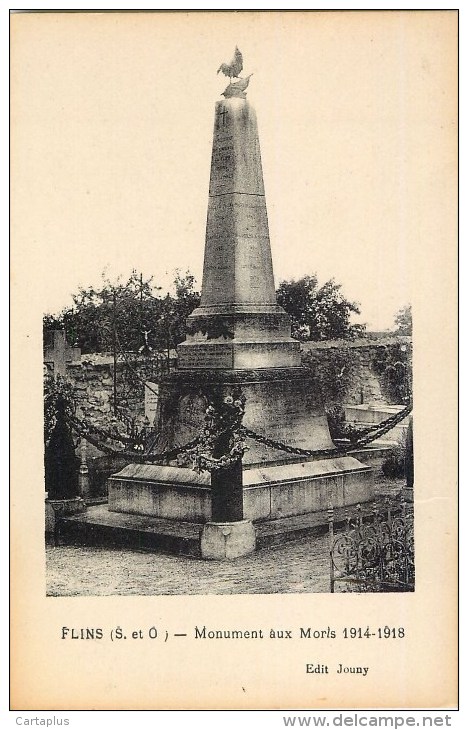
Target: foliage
[
  {"x": 60, "y": 461},
  {"x": 318, "y": 312},
  {"x": 222, "y": 443},
  {"x": 129, "y": 315},
  {"x": 178, "y": 308},
  {"x": 404, "y": 321},
  {"x": 213, "y": 327},
  {"x": 339, "y": 429},
  {"x": 331, "y": 375},
  {"x": 394, "y": 464},
  {"x": 393, "y": 367},
  {"x": 135, "y": 371},
  {"x": 56, "y": 390},
  {"x": 134, "y": 313}
]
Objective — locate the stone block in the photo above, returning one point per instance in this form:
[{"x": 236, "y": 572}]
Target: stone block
[
  {"x": 269, "y": 492},
  {"x": 161, "y": 491},
  {"x": 281, "y": 404},
  {"x": 239, "y": 355},
  {"x": 287, "y": 490},
  {"x": 227, "y": 540},
  {"x": 57, "y": 508}
]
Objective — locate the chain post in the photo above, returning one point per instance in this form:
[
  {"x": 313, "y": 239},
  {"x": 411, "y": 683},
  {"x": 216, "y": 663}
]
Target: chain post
[
  {"x": 359, "y": 517},
  {"x": 330, "y": 543},
  {"x": 389, "y": 513},
  {"x": 114, "y": 347}
]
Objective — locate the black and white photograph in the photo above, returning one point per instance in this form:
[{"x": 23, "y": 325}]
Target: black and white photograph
[{"x": 231, "y": 222}]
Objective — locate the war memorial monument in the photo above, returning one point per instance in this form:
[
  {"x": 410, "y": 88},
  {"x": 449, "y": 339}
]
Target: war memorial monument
[{"x": 239, "y": 345}]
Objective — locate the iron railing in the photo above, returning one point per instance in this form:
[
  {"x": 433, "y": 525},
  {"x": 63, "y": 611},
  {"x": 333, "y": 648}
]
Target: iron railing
[{"x": 374, "y": 550}]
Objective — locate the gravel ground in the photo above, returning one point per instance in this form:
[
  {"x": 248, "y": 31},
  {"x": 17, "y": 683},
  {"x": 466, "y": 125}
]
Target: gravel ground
[
  {"x": 300, "y": 566},
  {"x": 297, "y": 567}
]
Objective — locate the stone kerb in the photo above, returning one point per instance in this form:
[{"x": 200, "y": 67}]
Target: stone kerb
[{"x": 366, "y": 343}]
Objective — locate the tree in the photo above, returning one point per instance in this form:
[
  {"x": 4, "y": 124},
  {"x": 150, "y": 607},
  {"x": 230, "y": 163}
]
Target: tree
[
  {"x": 132, "y": 315},
  {"x": 187, "y": 298},
  {"x": 115, "y": 309},
  {"x": 127, "y": 315},
  {"x": 404, "y": 321},
  {"x": 61, "y": 463},
  {"x": 318, "y": 312}
]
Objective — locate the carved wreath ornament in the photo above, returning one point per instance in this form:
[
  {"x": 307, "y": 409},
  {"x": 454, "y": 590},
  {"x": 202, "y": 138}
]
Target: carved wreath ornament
[{"x": 222, "y": 441}]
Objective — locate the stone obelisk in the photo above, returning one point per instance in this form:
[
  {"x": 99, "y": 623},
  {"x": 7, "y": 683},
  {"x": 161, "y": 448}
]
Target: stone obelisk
[
  {"x": 239, "y": 325},
  {"x": 239, "y": 341}
]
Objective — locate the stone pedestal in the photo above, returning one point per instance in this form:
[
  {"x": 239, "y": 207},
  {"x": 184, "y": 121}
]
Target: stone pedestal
[
  {"x": 57, "y": 508},
  {"x": 227, "y": 540},
  {"x": 161, "y": 491},
  {"x": 280, "y": 404},
  {"x": 269, "y": 492}
]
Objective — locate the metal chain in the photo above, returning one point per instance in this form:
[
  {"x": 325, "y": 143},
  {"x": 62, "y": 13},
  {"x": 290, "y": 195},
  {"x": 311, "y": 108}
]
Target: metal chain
[
  {"x": 137, "y": 456},
  {"x": 369, "y": 435},
  {"x": 395, "y": 419},
  {"x": 85, "y": 426}
]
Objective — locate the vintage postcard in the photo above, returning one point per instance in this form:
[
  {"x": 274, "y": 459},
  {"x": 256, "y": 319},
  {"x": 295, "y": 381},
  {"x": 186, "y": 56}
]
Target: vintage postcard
[{"x": 234, "y": 381}]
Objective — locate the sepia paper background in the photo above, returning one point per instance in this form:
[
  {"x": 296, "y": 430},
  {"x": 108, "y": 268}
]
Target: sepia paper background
[{"x": 293, "y": 55}]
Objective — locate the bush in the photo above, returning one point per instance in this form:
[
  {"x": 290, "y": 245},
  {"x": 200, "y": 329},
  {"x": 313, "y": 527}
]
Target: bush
[
  {"x": 339, "y": 429},
  {"x": 392, "y": 365},
  {"x": 394, "y": 465}
]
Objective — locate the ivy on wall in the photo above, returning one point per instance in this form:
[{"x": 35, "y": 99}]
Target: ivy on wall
[{"x": 347, "y": 374}]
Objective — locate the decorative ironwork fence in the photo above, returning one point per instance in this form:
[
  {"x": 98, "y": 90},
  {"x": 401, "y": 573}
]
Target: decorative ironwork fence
[{"x": 374, "y": 552}]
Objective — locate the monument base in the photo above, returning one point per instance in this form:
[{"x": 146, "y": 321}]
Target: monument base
[
  {"x": 227, "y": 540},
  {"x": 270, "y": 492},
  {"x": 99, "y": 526},
  {"x": 280, "y": 405}
]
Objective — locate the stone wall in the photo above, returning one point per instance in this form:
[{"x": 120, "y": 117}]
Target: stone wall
[
  {"x": 353, "y": 372},
  {"x": 93, "y": 379},
  {"x": 359, "y": 371}
]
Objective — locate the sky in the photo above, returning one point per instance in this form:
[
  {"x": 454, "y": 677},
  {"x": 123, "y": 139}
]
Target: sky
[{"x": 112, "y": 119}]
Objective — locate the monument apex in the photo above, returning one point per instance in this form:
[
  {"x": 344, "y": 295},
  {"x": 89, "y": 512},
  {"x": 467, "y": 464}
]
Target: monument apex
[{"x": 239, "y": 323}]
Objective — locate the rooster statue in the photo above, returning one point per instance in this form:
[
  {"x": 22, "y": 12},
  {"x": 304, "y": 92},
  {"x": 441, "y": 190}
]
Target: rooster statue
[{"x": 232, "y": 70}]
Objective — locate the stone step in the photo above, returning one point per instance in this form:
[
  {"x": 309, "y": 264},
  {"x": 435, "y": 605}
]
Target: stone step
[{"x": 99, "y": 526}]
